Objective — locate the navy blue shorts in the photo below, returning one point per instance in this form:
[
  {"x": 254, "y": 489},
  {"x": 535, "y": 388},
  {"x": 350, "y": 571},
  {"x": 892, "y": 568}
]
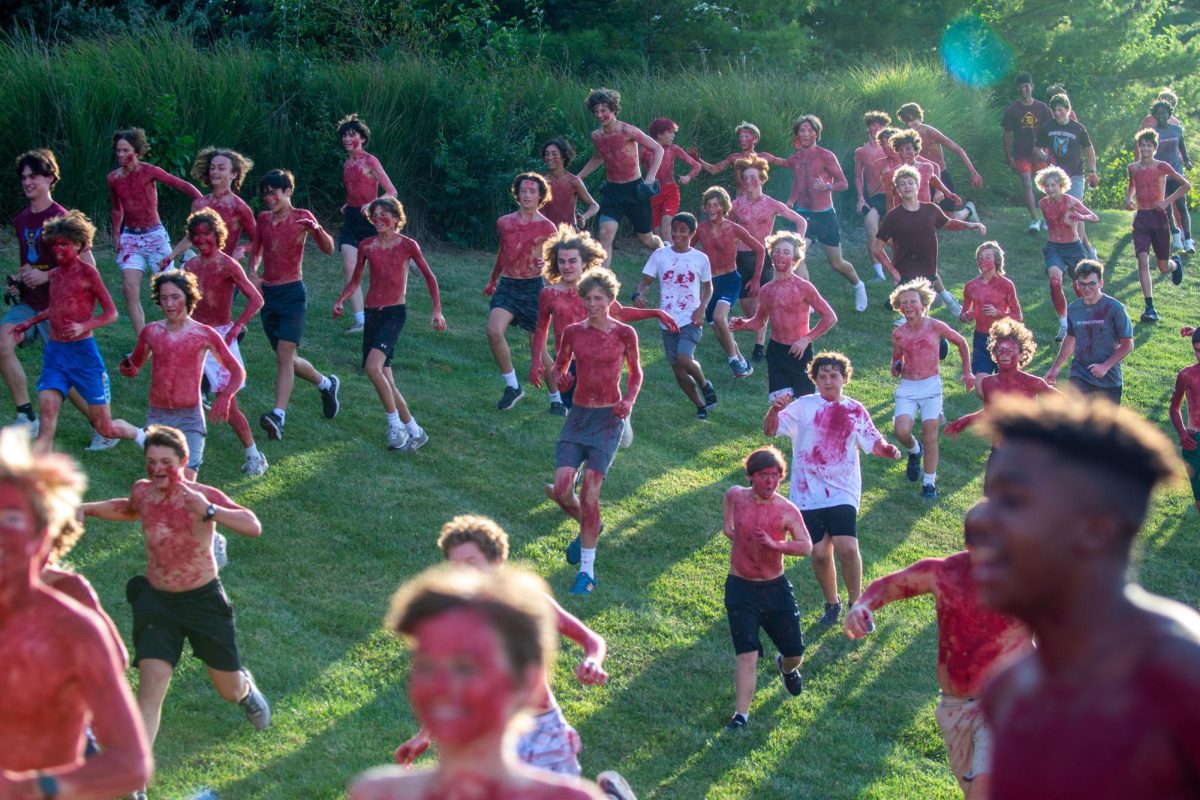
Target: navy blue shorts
[
  {"x": 284, "y": 308},
  {"x": 785, "y": 371},
  {"x": 822, "y": 226},
  {"x": 727, "y": 288},
  {"x": 1064, "y": 255},
  {"x": 981, "y": 359},
  {"x": 619, "y": 200},
  {"x": 834, "y": 520},
  {"x": 745, "y": 270},
  {"x": 75, "y": 365},
  {"x": 519, "y": 297}
]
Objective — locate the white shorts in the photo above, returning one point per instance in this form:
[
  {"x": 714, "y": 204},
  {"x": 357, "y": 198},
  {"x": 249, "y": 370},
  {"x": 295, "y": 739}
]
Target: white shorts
[
  {"x": 218, "y": 376},
  {"x": 142, "y": 251},
  {"x": 923, "y": 397},
  {"x": 551, "y": 744},
  {"x": 968, "y": 740}
]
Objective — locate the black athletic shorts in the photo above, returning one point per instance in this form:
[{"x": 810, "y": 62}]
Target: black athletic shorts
[
  {"x": 519, "y": 297},
  {"x": 381, "y": 329},
  {"x": 769, "y": 605},
  {"x": 745, "y": 268},
  {"x": 619, "y": 200},
  {"x": 834, "y": 520},
  {"x": 785, "y": 371},
  {"x": 879, "y": 203},
  {"x": 822, "y": 227},
  {"x": 355, "y": 227},
  {"x": 947, "y": 204},
  {"x": 162, "y": 620},
  {"x": 283, "y": 311}
]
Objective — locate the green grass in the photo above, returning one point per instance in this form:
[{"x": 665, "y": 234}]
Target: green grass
[{"x": 345, "y": 522}]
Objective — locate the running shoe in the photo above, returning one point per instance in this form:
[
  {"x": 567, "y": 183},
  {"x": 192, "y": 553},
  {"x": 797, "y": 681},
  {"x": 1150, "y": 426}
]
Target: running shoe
[
  {"x": 329, "y": 398},
  {"x": 32, "y": 424},
  {"x": 741, "y": 369},
  {"x": 615, "y": 786},
  {"x": 1177, "y": 240},
  {"x": 701, "y": 412},
  {"x": 415, "y": 443},
  {"x": 832, "y": 612},
  {"x": 573, "y": 551},
  {"x": 929, "y": 492},
  {"x": 1062, "y": 331},
  {"x": 1189, "y": 246},
  {"x": 397, "y": 437},
  {"x": 1177, "y": 273},
  {"x": 792, "y": 681},
  {"x": 272, "y": 424},
  {"x": 1034, "y": 226},
  {"x": 255, "y": 465},
  {"x": 860, "y": 297},
  {"x": 101, "y": 443},
  {"x": 758, "y": 354},
  {"x": 255, "y": 704},
  {"x": 584, "y": 584},
  {"x": 220, "y": 553},
  {"x": 1150, "y": 315},
  {"x": 626, "y": 432},
  {"x": 557, "y": 408},
  {"x": 736, "y": 722},
  {"x": 972, "y": 212},
  {"x": 355, "y": 328},
  {"x": 912, "y": 470},
  {"x": 510, "y": 398},
  {"x": 710, "y": 394}
]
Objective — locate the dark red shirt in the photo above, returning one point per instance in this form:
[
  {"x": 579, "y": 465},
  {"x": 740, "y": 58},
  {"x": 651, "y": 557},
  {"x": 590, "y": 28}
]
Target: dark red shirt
[{"x": 28, "y": 226}]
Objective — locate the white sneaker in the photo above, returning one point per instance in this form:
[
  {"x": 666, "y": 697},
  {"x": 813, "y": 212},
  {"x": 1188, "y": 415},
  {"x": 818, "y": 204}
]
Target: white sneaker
[
  {"x": 415, "y": 443},
  {"x": 255, "y": 465},
  {"x": 1034, "y": 226},
  {"x": 1189, "y": 246},
  {"x": 626, "y": 433},
  {"x": 1177, "y": 240},
  {"x": 860, "y": 297},
  {"x": 101, "y": 443},
  {"x": 972, "y": 212},
  {"x": 33, "y": 425},
  {"x": 357, "y": 327},
  {"x": 397, "y": 437},
  {"x": 220, "y": 555}
]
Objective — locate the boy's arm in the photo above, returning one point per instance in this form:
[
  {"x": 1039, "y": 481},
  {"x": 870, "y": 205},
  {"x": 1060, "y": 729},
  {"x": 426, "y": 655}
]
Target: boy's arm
[
  {"x": 800, "y": 543},
  {"x": 1186, "y": 440},
  {"x": 230, "y": 514},
  {"x": 695, "y": 165},
  {"x": 237, "y": 377},
  {"x": 727, "y": 513},
  {"x": 593, "y": 208},
  {"x": 1014, "y": 304},
  {"x": 133, "y": 362},
  {"x": 1130, "y": 193},
  {"x": 175, "y": 182},
  {"x": 360, "y": 264},
  {"x": 637, "y": 314},
  {"x": 431, "y": 283},
  {"x": 955, "y": 338},
  {"x": 639, "y": 294},
  {"x": 962, "y": 225},
  {"x": 785, "y": 211},
  {"x": 828, "y": 315},
  {"x": 1082, "y": 212},
  {"x": 380, "y": 174},
  {"x": 773, "y": 160},
  {"x": 760, "y": 255},
  {"x": 950, "y": 144},
  {"x": 839, "y": 182},
  {"x": 860, "y": 180},
  {"x": 245, "y": 215},
  {"x": 1183, "y": 154},
  {"x": 119, "y": 509},
  {"x": 498, "y": 267},
  {"x": 1184, "y": 187},
  {"x": 656, "y": 151},
  {"x": 912, "y": 581},
  {"x": 118, "y": 211},
  {"x": 1064, "y": 352},
  {"x": 108, "y": 311},
  {"x": 256, "y": 248},
  {"x": 320, "y": 235},
  {"x": 706, "y": 290},
  {"x": 254, "y": 301},
  {"x": 771, "y": 420},
  {"x": 591, "y": 670},
  {"x": 634, "y": 384},
  {"x": 936, "y": 185},
  {"x": 537, "y": 343},
  {"x": 562, "y": 359},
  {"x": 593, "y": 163}
]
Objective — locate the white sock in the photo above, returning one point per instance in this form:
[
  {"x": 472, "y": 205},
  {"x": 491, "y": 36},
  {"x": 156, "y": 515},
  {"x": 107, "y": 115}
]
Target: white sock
[
  {"x": 360, "y": 317},
  {"x": 1062, "y": 320},
  {"x": 412, "y": 427},
  {"x": 555, "y": 397},
  {"x": 930, "y": 479},
  {"x": 252, "y": 451},
  {"x": 915, "y": 449},
  {"x": 878, "y": 268},
  {"x": 394, "y": 420},
  {"x": 587, "y": 561},
  {"x": 510, "y": 379},
  {"x": 325, "y": 383},
  {"x": 279, "y": 412},
  {"x": 140, "y": 437}
]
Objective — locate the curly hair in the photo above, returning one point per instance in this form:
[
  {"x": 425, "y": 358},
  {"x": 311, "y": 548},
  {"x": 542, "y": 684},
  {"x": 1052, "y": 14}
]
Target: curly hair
[
  {"x": 206, "y": 216},
  {"x": 241, "y": 166},
  {"x": 1008, "y": 329},
  {"x": 483, "y": 532},
  {"x": 186, "y": 281},
  {"x": 567, "y": 238}
]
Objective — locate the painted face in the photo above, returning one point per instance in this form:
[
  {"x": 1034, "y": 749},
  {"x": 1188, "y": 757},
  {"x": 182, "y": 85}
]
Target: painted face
[
  {"x": 907, "y": 152},
  {"x": 220, "y": 172},
  {"x": 468, "y": 553},
  {"x": 164, "y": 467},
  {"x": 460, "y": 685},
  {"x": 1146, "y": 148},
  {"x": 873, "y": 129},
  {"x": 765, "y": 482},
  {"x": 1007, "y": 355},
  {"x": 910, "y": 304},
  {"x": 806, "y": 134},
  {"x": 1025, "y": 91},
  {"x": 783, "y": 256},
  {"x": 1062, "y": 115},
  {"x": 746, "y": 140},
  {"x": 383, "y": 219},
  {"x": 528, "y": 195},
  {"x": 352, "y": 140},
  {"x": 1196, "y": 349},
  {"x": 830, "y": 382},
  {"x": 63, "y": 251},
  {"x": 125, "y": 153},
  {"x": 19, "y": 537},
  {"x": 906, "y": 186},
  {"x": 1089, "y": 286},
  {"x": 986, "y": 260},
  {"x": 204, "y": 238},
  {"x": 681, "y": 236},
  {"x": 596, "y": 303},
  {"x": 886, "y": 144},
  {"x": 1053, "y": 186},
  {"x": 603, "y": 114},
  {"x": 552, "y": 156},
  {"x": 752, "y": 180},
  {"x": 173, "y": 301},
  {"x": 570, "y": 265},
  {"x": 713, "y": 209},
  {"x": 274, "y": 198},
  {"x": 34, "y": 185},
  {"x": 666, "y": 138}
]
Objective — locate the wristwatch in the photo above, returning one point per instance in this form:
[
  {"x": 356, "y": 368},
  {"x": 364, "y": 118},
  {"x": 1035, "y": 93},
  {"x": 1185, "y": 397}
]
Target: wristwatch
[
  {"x": 48, "y": 785},
  {"x": 210, "y": 512}
]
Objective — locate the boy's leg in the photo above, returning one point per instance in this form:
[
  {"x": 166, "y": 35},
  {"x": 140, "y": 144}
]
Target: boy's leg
[
  {"x": 930, "y": 429},
  {"x": 49, "y": 403},
  {"x": 608, "y": 234},
  {"x": 720, "y": 324},
  {"x": 154, "y": 678},
  {"x": 850, "y": 560},
  {"x": 684, "y": 378},
  {"x": 824, "y": 569},
  {"x": 285, "y": 372},
  {"x": 349, "y": 258},
  {"x": 498, "y": 322},
  {"x": 745, "y": 676},
  {"x": 131, "y": 286},
  {"x": 106, "y": 426},
  {"x": 380, "y": 378}
]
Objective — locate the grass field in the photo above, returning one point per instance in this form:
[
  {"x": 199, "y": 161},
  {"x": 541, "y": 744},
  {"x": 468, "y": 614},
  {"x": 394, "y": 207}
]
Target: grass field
[{"x": 345, "y": 522}]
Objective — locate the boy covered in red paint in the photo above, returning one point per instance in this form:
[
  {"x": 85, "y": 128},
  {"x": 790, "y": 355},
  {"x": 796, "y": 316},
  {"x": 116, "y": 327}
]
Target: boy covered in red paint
[
  {"x": 223, "y": 170},
  {"x": 665, "y": 205},
  {"x": 747, "y": 134},
  {"x": 869, "y": 161},
  {"x": 1151, "y": 229},
  {"x": 1064, "y": 249},
  {"x": 566, "y": 190},
  {"x": 988, "y": 297},
  {"x": 1187, "y": 387}
]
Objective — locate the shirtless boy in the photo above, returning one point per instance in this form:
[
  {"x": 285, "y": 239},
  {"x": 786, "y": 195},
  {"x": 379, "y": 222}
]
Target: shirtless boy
[
  {"x": 600, "y": 346},
  {"x": 989, "y": 297},
  {"x": 1151, "y": 230},
  {"x": 912, "y": 115},
  {"x": 362, "y": 175},
  {"x": 1021, "y": 122},
  {"x": 218, "y": 275},
  {"x": 762, "y": 528},
  {"x": 827, "y": 430},
  {"x": 62, "y": 669},
  {"x": 907, "y": 146},
  {"x": 142, "y": 241},
  {"x": 279, "y": 247},
  {"x": 1172, "y": 148},
  {"x": 626, "y": 191},
  {"x": 180, "y": 596},
  {"x": 787, "y": 303},
  {"x": 1108, "y": 704},
  {"x": 223, "y": 170},
  {"x": 1187, "y": 387},
  {"x": 388, "y": 254},
  {"x": 496, "y": 626},
  {"x": 665, "y": 205},
  {"x": 869, "y": 159},
  {"x": 915, "y": 361},
  {"x": 1064, "y": 249},
  {"x": 747, "y": 134},
  {"x": 973, "y": 641},
  {"x": 566, "y": 190}
]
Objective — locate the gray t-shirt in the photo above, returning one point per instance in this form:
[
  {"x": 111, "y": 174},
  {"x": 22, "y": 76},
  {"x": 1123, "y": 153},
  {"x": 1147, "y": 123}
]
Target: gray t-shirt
[
  {"x": 1097, "y": 329},
  {"x": 1168, "y": 146}
]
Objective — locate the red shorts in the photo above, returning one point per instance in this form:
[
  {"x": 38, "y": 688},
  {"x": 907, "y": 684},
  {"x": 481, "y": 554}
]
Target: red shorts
[
  {"x": 1028, "y": 168},
  {"x": 665, "y": 203}
]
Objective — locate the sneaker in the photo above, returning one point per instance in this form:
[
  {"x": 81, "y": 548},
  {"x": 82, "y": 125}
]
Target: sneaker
[
  {"x": 32, "y": 424},
  {"x": 557, "y": 409},
  {"x": 573, "y": 551},
  {"x": 255, "y": 465},
  {"x": 877, "y": 278},
  {"x": 929, "y": 492},
  {"x": 701, "y": 412},
  {"x": 615, "y": 786},
  {"x": 1177, "y": 273},
  {"x": 584, "y": 584},
  {"x": 415, "y": 443},
  {"x": 972, "y": 212},
  {"x": 736, "y": 723},
  {"x": 1062, "y": 331},
  {"x": 830, "y": 617},
  {"x": 272, "y": 424},
  {"x": 1177, "y": 240},
  {"x": 1150, "y": 315},
  {"x": 257, "y": 709},
  {"x": 510, "y": 398},
  {"x": 138, "y": 795},
  {"x": 329, "y": 398},
  {"x": 710, "y": 394},
  {"x": 220, "y": 554},
  {"x": 860, "y": 297},
  {"x": 1189, "y": 246},
  {"x": 792, "y": 681},
  {"x": 741, "y": 369},
  {"x": 1034, "y": 226},
  {"x": 626, "y": 432},
  {"x": 397, "y": 437},
  {"x": 101, "y": 443},
  {"x": 758, "y": 353},
  {"x": 355, "y": 328},
  {"x": 912, "y": 470}
]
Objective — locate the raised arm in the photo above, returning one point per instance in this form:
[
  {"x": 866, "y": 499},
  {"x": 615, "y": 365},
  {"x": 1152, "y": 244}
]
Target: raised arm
[
  {"x": 174, "y": 181},
  {"x": 637, "y": 314},
  {"x": 320, "y": 235},
  {"x": 771, "y": 420},
  {"x": 912, "y": 581},
  {"x": 119, "y": 509}
]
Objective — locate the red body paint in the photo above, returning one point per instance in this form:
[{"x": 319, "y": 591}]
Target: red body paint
[
  {"x": 1187, "y": 385},
  {"x": 869, "y": 161},
  {"x": 666, "y": 170},
  {"x": 756, "y": 216},
  {"x": 925, "y": 169},
  {"x": 919, "y": 347},
  {"x": 218, "y": 275},
  {"x": 809, "y": 164},
  {"x": 748, "y": 559},
  {"x": 1149, "y": 183},
  {"x": 999, "y": 292},
  {"x": 75, "y": 289},
  {"x": 1060, "y": 228},
  {"x": 389, "y": 268},
  {"x": 563, "y": 197},
  {"x": 233, "y": 211},
  {"x": 283, "y": 246},
  {"x": 720, "y": 244},
  {"x": 619, "y": 151},
  {"x": 179, "y": 553},
  {"x": 359, "y": 176},
  {"x": 178, "y": 362},
  {"x": 135, "y": 194},
  {"x": 790, "y": 301},
  {"x": 521, "y": 244},
  {"x": 599, "y": 356}
]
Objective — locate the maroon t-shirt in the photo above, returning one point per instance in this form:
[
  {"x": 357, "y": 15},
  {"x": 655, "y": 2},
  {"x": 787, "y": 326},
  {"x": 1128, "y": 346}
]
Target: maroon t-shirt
[
  {"x": 1023, "y": 121},
  {"x": 28, "y": 226},
  {"x": 913, "y": 235}
]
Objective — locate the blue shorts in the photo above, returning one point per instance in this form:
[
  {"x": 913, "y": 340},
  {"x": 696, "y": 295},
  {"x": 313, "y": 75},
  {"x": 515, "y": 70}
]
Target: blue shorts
[
  {"x": 981, "y": 359},
  {"x": 75, "y": 365},
  {"x": 1064, "y": 255},
  {"x": 726, "y": 288},
  {"x": 283, "y": 311}
]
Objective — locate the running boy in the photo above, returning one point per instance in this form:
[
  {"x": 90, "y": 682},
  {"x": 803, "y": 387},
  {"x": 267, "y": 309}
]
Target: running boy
[
  {"x": 869, "y": 160},
  {"x": 665, "y": 205},
  {"x": 987, "y": 298},
  {"x": 142, "y": 241},
  {"x": 912, "y": 115},
  {"x": 1172, "y": 148},
  {"x": 747, "y": 134},
  {"x": 566, "y": 190},
  {"x": 1187, "y": 387},
  {"x": 223, "y": 170},
  {"x": 1147, "y": 186},
  {"x": 388, "y": 254},
  {"x": 1064, "y": 249},
  {"x": 279, "y": 248},
  {"x": 915, "y": 361},
  {"x": 1021, "y": 122},
  {"x": 1067, "y": 142},
  {"x": 1104, "y": 333}
]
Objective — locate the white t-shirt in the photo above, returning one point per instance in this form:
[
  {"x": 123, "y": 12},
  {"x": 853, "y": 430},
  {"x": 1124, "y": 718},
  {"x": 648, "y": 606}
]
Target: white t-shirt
[
  {"x": 825, "y": 441},
  {"x": 679, "y": 278}
]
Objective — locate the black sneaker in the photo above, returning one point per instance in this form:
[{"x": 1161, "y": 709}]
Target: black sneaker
[
  {"x": 758, "y": 353},
  {"x": 929, "y": 492},
  {"x": 557, "y": 409},
  {"x": 792, "y": 681},
  {"x": 1150, "y": 315},
  {"x": 710, "y": 394},
  {"x": 329, "y": 398},
  {"x": 510, "y": 398},
  {"x": 943, "y": 349},
  {"x": 736, "y": 723},
  {"x": 832, "y": 612},
  {"x": 1177, "y": 273},
  {"x": 257, "y": 709},
  {"x": 701, "y": 412},
  {"x": 913, "y": 469},
  {"x": 272, "y": 424}
]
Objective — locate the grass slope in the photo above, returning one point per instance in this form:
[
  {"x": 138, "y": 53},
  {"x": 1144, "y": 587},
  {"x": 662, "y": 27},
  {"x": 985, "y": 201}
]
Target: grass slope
[{"x": 345, "y": 522}]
